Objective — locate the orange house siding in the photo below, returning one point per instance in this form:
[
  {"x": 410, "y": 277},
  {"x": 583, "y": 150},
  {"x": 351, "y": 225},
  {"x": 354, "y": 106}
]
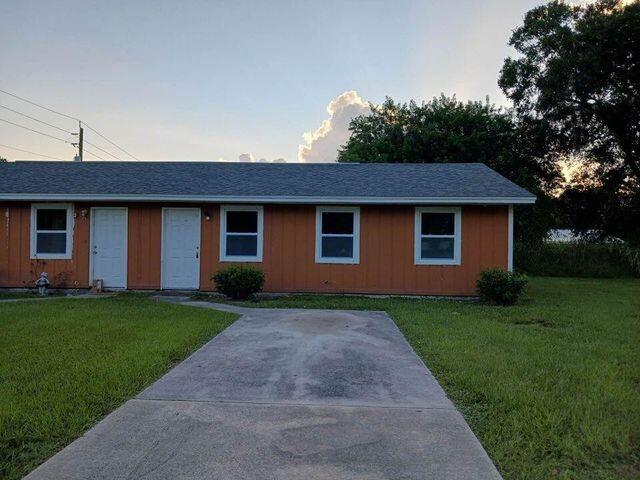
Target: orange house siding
[
  {"x": 17, "y": 269},
  {"x": 386, "y": 251},
  {"x": 144, "y": 251}
]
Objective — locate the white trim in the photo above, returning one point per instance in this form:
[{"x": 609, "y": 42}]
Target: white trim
[
  {"x": 457, "y": 236},
  {"x": 275, "y": 199},
  {"x": 223, "y": 233},
  {"x": 68, "y": 231},
  {"x": 199, "y": 236},
  {"x": 126, "y": 242},
  {"x": 510, "y": 241},
  {"x": 355, "y": 259}
]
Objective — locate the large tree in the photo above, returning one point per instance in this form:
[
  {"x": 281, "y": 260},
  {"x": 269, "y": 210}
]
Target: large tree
[
  {"x": 578, "y": 72},
  {"x": 446, "y": 130}
]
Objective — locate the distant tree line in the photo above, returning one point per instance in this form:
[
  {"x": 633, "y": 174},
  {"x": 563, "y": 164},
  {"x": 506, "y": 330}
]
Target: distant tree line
[{"x": 575, "y": 88}]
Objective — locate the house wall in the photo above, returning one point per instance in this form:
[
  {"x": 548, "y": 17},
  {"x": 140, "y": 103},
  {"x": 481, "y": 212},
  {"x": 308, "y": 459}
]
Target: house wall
[
  {"x": 17, "y": 269},
  {"x": 144, "y": 254},
  {"x": 386, "y": 251}
]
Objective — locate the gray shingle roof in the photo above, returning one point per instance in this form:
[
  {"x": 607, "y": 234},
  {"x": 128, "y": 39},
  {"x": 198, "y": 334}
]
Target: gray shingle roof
[{"x": 220, "y": 181}]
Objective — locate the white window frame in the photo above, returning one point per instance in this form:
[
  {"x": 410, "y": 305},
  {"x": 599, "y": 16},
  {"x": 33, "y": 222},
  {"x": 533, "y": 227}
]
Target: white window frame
[
  {"x": 34, "y": 232},
  {"x": 457, "y": 236},
  {"x": 355, "y": 259},
  {"x": 223, "y": 233}
]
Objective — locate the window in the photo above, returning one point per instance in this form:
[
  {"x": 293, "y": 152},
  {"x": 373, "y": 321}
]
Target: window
[
  {"x": 437, "y": 236},
  {"x": 51, "y": 230},
  {"x": 337, "y": 235},
  {"x": 241, "y": 233}
]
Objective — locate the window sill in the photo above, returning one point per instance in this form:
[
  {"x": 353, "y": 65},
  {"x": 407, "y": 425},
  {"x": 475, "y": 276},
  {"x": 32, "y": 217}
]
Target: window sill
[
  {"x": 437, "y": 262},
  {"x": 338, "y": 260},
  {"x": 241, "y": 259},
  {"x": 52, "y": 256}
]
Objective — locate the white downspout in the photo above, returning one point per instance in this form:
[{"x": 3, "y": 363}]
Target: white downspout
[{"x": 510, "y": 242}]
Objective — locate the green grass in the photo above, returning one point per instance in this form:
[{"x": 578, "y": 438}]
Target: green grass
[
  {"x": 550, "y": 386},
  {"x": 26, "y": 294},
  {"x": 65, "y": 363}
]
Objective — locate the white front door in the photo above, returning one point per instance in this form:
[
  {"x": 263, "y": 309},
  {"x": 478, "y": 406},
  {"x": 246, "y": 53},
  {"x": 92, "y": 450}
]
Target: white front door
[
  {"x": 181, "y": 248},
  {"x": 109, "y": 246}
]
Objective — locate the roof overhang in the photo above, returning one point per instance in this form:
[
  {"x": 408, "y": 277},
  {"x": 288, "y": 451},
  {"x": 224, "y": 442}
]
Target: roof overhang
[{"x": 270, "y": 199}]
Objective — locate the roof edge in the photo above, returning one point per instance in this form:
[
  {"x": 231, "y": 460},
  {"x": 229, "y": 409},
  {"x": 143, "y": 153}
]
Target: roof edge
[{"x": 274, "y": 199}]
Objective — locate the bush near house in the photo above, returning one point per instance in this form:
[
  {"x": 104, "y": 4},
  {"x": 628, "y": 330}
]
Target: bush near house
[
  {"x": 578, "y": 259},
  {"x": 500, "y": 287},
  {"x": 239, "y": 282}
]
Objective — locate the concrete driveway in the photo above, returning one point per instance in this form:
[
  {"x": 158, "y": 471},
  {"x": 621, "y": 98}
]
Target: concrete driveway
[{"x": 285, "y": 394}]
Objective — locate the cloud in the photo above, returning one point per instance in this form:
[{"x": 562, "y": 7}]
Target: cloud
[
  {"x": 248, "y": 157},
  {"x": 322, "y": 145}
]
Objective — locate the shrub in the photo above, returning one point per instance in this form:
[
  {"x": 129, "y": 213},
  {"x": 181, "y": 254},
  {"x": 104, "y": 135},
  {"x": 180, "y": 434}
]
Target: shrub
[
  {"x": 497, "y": 286},
  {"x": 239, "y": 282},
  {"x": 578, "y": 259}
]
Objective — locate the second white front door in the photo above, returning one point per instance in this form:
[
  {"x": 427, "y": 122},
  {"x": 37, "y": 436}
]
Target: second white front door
[
  {"x": 109, "y": 246},
  {"x": 181, "y": 248}
]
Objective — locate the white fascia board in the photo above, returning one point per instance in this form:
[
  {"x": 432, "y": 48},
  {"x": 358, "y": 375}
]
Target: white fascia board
[{"x": 272, "y": 199}]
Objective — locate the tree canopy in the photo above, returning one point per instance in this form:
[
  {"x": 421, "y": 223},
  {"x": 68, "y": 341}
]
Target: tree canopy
[
  {"x": 578, "y": 72},
  {"x": 446, "y": 130},
  {"x": 575, "y": 88}
]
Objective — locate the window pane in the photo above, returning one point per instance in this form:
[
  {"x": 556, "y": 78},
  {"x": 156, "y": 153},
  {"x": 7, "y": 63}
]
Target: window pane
[
  {"x": 437, "y": 248},
  {"x": 341, "y": 247},
  {"x": 51, "y": 243},
  {"x": 242, "y": 222},
  {"x": 437, "y": 223},
  {"x": 51, "y": 219},
  {"x": 337, "y": 222},
  {"x": 242, "y": 245}
]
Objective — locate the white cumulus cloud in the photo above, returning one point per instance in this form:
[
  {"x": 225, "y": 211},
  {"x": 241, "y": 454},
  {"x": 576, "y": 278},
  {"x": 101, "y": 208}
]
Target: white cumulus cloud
[
  {"x": 248, "y": 157},
  {"x": 322, "y": 145}
]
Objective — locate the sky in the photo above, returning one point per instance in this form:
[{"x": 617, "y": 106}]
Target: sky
[{"x": 236, "y": 80}]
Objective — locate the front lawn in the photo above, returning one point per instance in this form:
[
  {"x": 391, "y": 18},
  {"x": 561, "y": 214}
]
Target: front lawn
[
  {"x": 550, "y": 386},
  {"x": 65, "y": 363}
]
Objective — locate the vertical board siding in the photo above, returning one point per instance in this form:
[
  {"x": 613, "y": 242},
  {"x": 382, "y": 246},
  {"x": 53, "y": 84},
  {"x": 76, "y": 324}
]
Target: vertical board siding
[
  {"x": 144, "y": 243},
  {"x": 386, "y": 251},
  {"x": 18, "y": 270}
]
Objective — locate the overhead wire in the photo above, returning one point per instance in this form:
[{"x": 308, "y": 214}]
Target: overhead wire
[
  {"x": 72, "y": 118},
  {"x": 101, "y": 149},
  {"x": 36, "y": 131},
  {"x": 91, "y": 153},
  {"x": 29, "y": 152},
  {"x": 36, "y": 120}
]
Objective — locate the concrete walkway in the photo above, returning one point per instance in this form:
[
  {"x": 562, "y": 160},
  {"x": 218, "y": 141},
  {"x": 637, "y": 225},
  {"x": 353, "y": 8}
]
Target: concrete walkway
[{"x": 285, "y": 394}]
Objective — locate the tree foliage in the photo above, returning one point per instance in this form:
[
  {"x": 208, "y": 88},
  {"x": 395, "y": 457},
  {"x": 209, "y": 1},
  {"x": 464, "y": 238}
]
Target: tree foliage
[
  {"x": 578, "y": 72},
  {"x": 446, "y": 130}
]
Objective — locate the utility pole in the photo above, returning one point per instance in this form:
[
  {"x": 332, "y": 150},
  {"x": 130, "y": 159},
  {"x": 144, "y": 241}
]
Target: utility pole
[{"x": 80, "y": 140}]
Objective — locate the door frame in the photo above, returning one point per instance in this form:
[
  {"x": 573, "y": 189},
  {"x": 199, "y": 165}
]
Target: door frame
[
  {"x": 126, "y": 243},
  {"x": 162, "y": 231}
]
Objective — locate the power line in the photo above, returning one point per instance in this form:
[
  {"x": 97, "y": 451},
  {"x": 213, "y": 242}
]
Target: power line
[
  {"x": 35, "y": 131},
  {"x": 36, "y": 120},
  {"x": 101, "y": 149},
  {"x": 112, "y": 143},
  {"x": 27, "y": 151},
  {"x": 38, "y": 105},
  {"x": 72, "y": 118},
  {"x": 91, "y": 153}
]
